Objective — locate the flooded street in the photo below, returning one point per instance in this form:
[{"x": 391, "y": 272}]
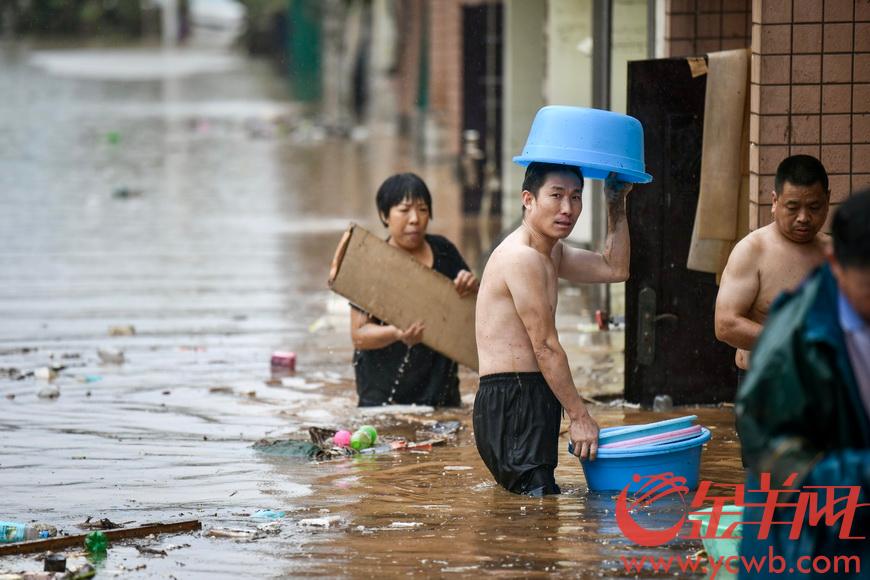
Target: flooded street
[{"x": 186, "y": 196}]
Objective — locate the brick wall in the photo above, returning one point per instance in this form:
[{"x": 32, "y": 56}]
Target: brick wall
[
  {"x": 445, "y": 64},
  {"x": 445, "y": 72},
  {"x": 696, "y": 27},
  {"x": 408, "y": 16},
  {"x": 810, "y": 93}
]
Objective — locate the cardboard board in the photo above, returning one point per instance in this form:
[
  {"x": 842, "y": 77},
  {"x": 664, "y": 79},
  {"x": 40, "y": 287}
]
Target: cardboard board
[
  {"x": 722, "y": 215},
  {"x": 394, "y": 287}
]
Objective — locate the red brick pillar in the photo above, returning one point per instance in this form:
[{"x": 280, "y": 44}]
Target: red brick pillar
[
  {"x": 696, "y": 27},
  {"x": 810, "y": 93}
]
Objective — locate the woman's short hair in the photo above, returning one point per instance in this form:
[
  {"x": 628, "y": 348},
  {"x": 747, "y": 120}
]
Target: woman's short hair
[{"x": 398, "y": 188}]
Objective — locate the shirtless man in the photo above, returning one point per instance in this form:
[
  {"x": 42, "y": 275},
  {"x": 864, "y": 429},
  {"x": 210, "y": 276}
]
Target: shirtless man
[
  {"x": 525, "y": 379},
  {"x": 774, "y": 258}
]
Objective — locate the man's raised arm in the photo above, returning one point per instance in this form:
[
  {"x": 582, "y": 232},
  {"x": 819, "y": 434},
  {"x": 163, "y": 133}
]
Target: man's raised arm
[
  {"x": 582, "y": 266},
  {"x": 738, "y": 291},
  {"x": 527, "y": 285}
]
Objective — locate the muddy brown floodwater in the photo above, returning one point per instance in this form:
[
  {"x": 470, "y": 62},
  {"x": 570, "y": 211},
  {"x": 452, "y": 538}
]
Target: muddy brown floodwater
[{"x": 185, "y": 196}]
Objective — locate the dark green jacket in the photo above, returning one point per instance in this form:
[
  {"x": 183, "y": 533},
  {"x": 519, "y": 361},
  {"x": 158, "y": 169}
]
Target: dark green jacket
[{"x": 799, "y": 411}]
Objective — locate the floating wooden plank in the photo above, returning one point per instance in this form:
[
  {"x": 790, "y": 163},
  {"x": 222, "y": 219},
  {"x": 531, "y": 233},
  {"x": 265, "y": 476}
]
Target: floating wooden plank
[
  {"x": 78, "y": 540},
  {"x": 391, "y": 285}
]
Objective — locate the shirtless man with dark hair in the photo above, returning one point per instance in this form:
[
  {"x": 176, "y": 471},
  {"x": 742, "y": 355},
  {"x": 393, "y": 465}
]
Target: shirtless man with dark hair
[
  {"x": 774, "y": 258},
  {"x": 525, "y": 380}
]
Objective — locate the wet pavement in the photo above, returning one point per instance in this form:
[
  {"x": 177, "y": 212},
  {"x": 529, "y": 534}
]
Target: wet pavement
[{"x": 187, "y": 197}]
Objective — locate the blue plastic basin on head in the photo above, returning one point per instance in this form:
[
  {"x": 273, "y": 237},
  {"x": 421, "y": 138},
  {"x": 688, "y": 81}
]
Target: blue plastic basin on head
[
  {"x": 616, "y": 468},
  {"x": 597, "y": 141}
]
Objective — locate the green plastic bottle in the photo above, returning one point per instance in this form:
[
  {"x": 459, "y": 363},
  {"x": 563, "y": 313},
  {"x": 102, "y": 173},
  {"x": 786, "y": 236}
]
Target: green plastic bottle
[
  {"x": 373, "y": 433},
  {"x": 363, "y": 438},
  {"x": 96, "y": 543}
]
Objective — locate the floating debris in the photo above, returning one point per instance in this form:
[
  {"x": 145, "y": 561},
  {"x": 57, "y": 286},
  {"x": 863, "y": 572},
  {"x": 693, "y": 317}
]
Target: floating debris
[
  {"x": 101, "y": 524},
  {"x": 236, "y": 534},
  {"x": 439, "y": 429},
  {"x": 325, "y": 522},
  {"x": 396, "y": 410},
  {"x": 45, "y": 374},
  {"x": 268, "y": 514},
  {"x": 112, "y": 356},
  {"x": 124, "y": 330},
  {"x": 49, "y": 392}
]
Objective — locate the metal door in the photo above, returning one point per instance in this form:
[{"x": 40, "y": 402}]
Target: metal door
[{"x": 670, "y": 345}]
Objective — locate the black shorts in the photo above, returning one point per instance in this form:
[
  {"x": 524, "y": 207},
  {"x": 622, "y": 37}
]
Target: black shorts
[{"x": 516, "y": 430}]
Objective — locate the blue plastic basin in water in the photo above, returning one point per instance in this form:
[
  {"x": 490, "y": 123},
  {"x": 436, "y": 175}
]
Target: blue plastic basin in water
[
  {"x": 615, "y": 468},
  {"x": 597, "y": 141}
]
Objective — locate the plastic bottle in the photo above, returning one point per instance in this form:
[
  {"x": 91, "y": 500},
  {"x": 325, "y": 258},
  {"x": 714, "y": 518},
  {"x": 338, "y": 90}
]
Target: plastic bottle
[
  {"x": 16, "y": 532},
  {"x": 363, "y": 438},
  {"x": 96, "y": 543}
]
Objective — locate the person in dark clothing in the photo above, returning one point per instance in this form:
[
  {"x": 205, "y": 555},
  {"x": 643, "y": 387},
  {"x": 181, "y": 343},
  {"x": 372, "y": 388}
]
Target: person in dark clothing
[
  {"x": 390, "y": 364},
  {"x": 804, "y": 410}
]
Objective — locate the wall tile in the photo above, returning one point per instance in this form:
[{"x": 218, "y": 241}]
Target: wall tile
[
  {"x": 774, "y": 100},
  {"x": 806, "y": 68},
  {"x": 680, "y": 6},
  {"x": 814, "y": 150},
  {"x": 836, "y": 98},
  {"x": 734, "y": 43},
  {"x": 840, "y": 186},
  {"x": 753, "y": 216},
  {"x": 681, "y": 48},
  {"x": 862, "y": 11},
  {"x": 765, "y": 217},
  {"x": 837, "y": 68},
  {"x": 838, "y": 37},
  {"x": 734, "y": 25},
  {"x": 754, "y": 101},
  {"x": 682, "y": 26},
  {"x": 861, "y": 100},
  {"x": 860, "y": 182},
  {"x": 773, "y": 130},
  {"x": 775, "y": 69},
  {"x": 862, "y": 68},
  {"x": 775, "y": 39},
  {"x": 862, "y": 37},
  {"x": 709, "y": 25},
  {"x": 707, "y": 45},
  {"x": 861, "y": 158},
  {"x": 836, "y": 128},
  {"x": 861, "y": 128},
  {"x": 839, "y": 10},
  {"x": 775, "y": 11},
  {"x": 770, "y": 156},
  {"x": 805, "y": 129},
  {"x": 710, "y": 5},
  {"x": 805, "y": 98},
  {"x": 835, "y": 158},
  {"x": 807, "y": 38},
  {"x": 808, "y": 10}
]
